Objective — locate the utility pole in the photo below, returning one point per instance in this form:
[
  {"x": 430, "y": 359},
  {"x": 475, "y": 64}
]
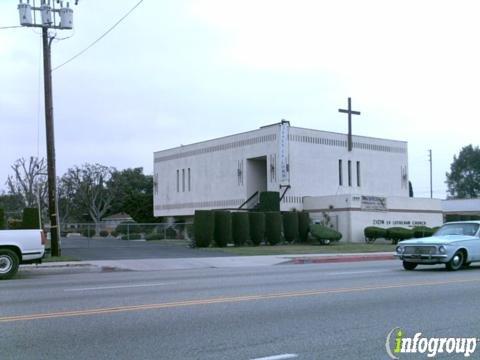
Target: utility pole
[
  {"x": 431, "y": 187},
  {"x": 50, "y": 18}
]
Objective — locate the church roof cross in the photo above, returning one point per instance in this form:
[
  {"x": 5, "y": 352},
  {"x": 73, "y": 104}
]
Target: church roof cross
[{"x": 350, "y": 112}]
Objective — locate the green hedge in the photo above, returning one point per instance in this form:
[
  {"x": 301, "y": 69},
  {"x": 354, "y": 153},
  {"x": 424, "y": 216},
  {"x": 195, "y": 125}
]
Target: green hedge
[
  {"x": 397, "y": 234},
  {"x": 373, "y": 233},
  {"x": 240, "y": 228},
  {"x": 257, "y": 227},
  {"x": 126, "y": 227},
  {"x": 132, "y": 236},
  {"x": 2, "y": 219},
  {"x": 290, "y": 226},
  {"x": 30, "y": 219},
  {"x": 303, "y": 225},
  {"x": 223, "y": 228},
  {"x": 269, "y": 201},
  {"x": 459, "y": 217},
  {"x": 203, "y": 227},
  {"x": 323, "y": 233},
  {"x": 273, "y": 227},
  {"x": 422, "y": 231},
  {"x": 103, "y": 233}
]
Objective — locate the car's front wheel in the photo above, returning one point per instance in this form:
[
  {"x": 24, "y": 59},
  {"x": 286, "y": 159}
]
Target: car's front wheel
[
  {"x": 8, "y": 263},
  {"x": 409, "y": 265},
  {"x": 456, "y": 262}
]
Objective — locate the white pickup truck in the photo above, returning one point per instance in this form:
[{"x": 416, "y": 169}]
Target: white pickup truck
[{"x": 20, "y": 247}]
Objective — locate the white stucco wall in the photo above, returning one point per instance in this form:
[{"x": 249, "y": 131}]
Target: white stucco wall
[{"x": 214, "y": 176}]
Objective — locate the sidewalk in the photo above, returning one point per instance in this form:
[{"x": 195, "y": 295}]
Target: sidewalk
[{"x": 210, "y": 262}]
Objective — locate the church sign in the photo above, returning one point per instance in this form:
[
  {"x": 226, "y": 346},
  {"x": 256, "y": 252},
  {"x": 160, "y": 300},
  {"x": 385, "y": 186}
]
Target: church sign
[
  {"x": 283, "y": 153},
  {"x": 374, "y": 203}
]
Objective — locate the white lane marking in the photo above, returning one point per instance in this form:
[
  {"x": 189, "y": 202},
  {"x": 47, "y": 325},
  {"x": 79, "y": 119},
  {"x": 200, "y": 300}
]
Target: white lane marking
[
  {"x": 116, "y": 287},
  {"x": 356, "y": 272},
  {"x": 278, "y": 357}
]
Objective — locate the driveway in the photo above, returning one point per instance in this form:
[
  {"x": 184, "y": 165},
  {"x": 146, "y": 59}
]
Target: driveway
[{"x": 83, "y": 248}]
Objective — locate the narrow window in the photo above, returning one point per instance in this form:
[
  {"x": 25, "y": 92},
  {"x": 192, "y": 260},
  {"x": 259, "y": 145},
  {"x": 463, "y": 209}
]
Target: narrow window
[
  {"x": 349, "y": 173},
  {"x": 190, "y": 181},
  {"x": 183, "y": 180},
  {"x": 340, "y": 178},
  {"x": 178, "y": 180},
  {"x": 358, "y": 173}
]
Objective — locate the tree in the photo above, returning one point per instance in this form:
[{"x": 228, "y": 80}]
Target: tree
[
  {"x": 12, "y": 204},
  {"x": 132, "y": 193},
  {"x": 29, "y": 181},
  {"x": 84, "y": 191},
  {"x": 463, "y": 180}
]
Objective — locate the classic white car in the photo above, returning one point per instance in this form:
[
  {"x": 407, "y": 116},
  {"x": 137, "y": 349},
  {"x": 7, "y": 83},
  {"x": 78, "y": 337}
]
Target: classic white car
[{"x": 455, "y": 244}]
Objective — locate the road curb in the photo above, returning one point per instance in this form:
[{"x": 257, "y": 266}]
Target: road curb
[{"x": 337, "y": 259}]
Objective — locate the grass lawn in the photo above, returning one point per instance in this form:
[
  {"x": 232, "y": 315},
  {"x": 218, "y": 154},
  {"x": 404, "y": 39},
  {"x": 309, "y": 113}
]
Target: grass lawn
[{"x": 306, "y": 249}]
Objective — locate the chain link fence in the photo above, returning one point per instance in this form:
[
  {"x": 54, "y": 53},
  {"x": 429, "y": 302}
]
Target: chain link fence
[{"x": 130, "y": 231}]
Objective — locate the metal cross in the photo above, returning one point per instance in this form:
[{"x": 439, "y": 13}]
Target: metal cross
[{"x": 349, "y": 112}]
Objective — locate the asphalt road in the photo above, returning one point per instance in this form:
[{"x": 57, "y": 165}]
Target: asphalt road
[
  {"x": 83, "y": 248},
  {"x": 318, "y": 311}
]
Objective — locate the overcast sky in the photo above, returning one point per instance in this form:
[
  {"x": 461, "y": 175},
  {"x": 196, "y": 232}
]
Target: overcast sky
[{"x": 179, "y": 71}]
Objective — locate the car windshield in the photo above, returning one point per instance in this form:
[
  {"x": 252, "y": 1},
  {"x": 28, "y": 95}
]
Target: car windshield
[{"x": 458, "y": 229}]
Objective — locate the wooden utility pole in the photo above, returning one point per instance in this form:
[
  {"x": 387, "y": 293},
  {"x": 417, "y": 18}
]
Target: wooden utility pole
[
  {"x": 53, "y": 15},
  {"x": 52, "y": 177}
]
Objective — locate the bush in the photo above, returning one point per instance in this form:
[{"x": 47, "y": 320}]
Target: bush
[
  {"x": 397, "y": 234},
  {"x": 155, "y": 236},
  {"x": 30, "y": 219},
  {"x": 303, "y": 225},
  {"x": 14, "y": 224},
  {"x": 324, "y": 234},
  {"x": 170, "y": 233},
  {"x": 103, "y": 233},
  {"x": 257, "y": 227},
  {"x": 422, "y": 231},
  {"x": 373, "y": 233},
  {"x": 126, "y": 227},
  {"x": 290, "y": 226},
  {"x": 203, "y": 227},
  {"x": 240, "y": 228},
  {"x": 89, "y": 232},
  {"x": 273, "y": 227},
  {"x": 132, "y": 236},
  {"x": 114, "y": 234},
  {"x": 2, "y": 219},
  {"x": 269, "y": 201},
  {"x": 223, "y": 228}
]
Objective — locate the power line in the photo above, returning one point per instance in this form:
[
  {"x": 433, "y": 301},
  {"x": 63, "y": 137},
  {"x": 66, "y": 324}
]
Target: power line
[{"x": 100, "y": 38}]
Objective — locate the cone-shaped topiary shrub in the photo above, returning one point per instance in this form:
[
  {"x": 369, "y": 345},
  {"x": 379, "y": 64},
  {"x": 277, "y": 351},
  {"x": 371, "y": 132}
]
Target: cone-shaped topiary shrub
[
  {"x": 223, "y": 228},
  {"x": 273, "y": 227},
  {"x": 290, "y": 226},
  {"x": 303, "y": 225},
  {"x": 204, "y": 227},
  {"x": 240, "y": 228},
  {"x": 257, "y": 227},
  {"x": 30, "y": 219},
  {"x": 2, "y": 219}
]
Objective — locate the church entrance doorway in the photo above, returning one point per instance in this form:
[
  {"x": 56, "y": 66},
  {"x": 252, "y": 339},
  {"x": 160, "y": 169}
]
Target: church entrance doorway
[{"x": 256, "y": 175}]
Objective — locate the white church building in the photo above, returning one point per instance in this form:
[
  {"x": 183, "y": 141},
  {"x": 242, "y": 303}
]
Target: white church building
[{"x": 349, "y": 181}]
